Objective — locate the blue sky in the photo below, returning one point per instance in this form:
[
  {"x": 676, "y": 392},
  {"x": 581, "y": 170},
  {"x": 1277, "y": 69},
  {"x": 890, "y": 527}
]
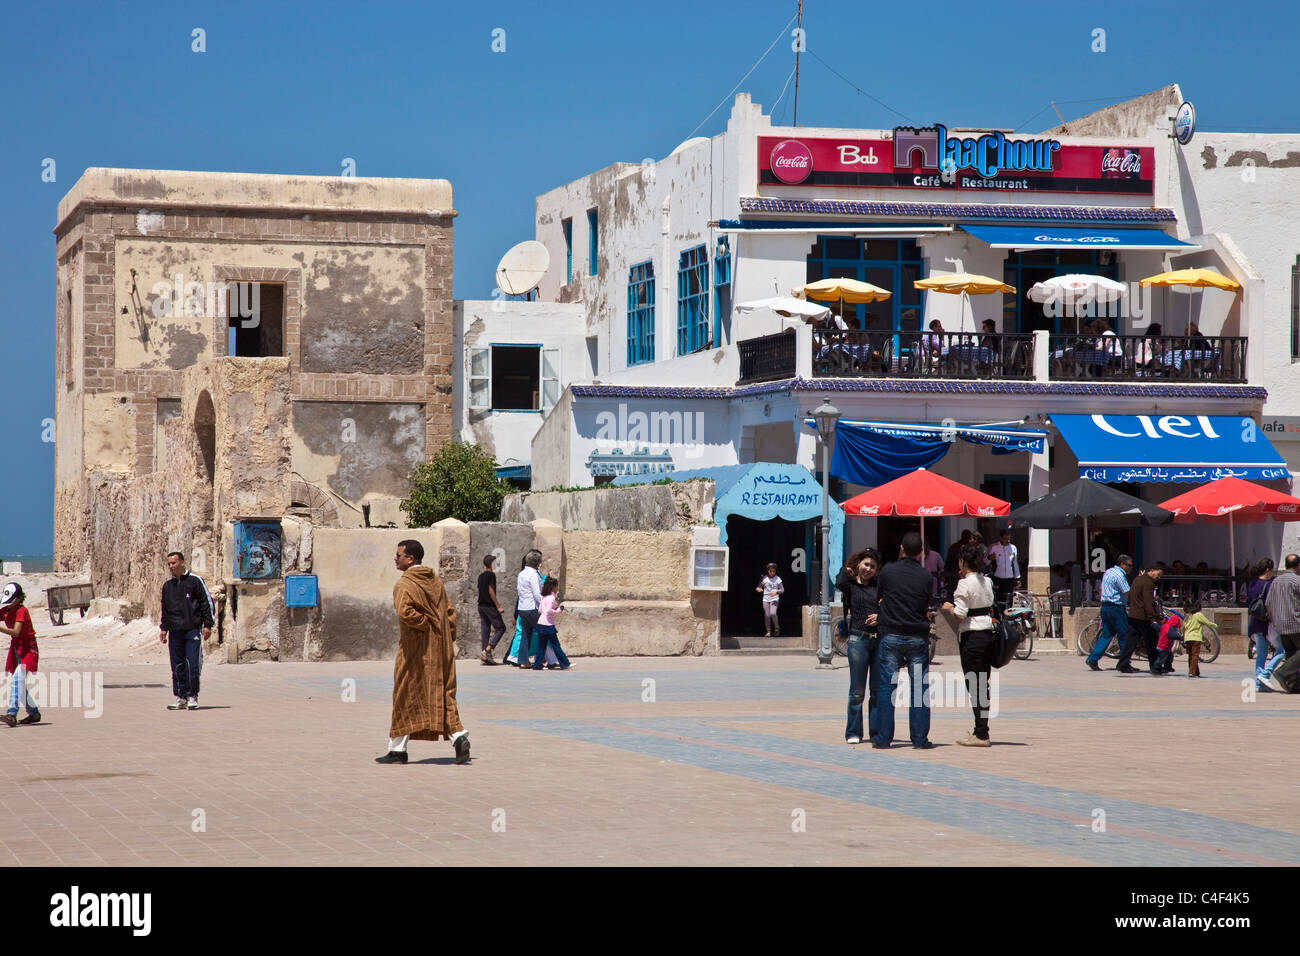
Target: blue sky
[{"x": 414, "y": 89}]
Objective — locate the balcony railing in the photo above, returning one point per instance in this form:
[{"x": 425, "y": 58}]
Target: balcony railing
[
  {"x": 963, "y": 355},
  {"x": 1136, "y": 358},
  {"x": 767, "y": 358}
]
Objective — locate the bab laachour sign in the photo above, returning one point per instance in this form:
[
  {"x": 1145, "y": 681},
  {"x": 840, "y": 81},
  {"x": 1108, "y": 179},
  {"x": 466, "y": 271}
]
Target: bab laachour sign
[{"x": 932, "y": 157}]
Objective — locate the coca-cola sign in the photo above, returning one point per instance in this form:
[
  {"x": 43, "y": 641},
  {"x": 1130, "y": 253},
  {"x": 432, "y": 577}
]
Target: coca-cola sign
[
  {"x": 791, "y": 161},
  {"x": 1118, "y": 163}
]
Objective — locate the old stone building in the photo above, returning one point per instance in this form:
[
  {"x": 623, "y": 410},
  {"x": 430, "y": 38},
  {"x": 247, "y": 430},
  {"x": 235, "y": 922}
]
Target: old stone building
[{"x": 235, "y": 346}]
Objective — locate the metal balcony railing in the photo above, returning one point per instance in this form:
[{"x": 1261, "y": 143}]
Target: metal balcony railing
[{"x": 1137, "y": 358}]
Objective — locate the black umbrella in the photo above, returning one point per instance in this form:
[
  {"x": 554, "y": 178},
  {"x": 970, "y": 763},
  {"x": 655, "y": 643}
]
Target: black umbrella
[{"x": 1085, "y": 502}]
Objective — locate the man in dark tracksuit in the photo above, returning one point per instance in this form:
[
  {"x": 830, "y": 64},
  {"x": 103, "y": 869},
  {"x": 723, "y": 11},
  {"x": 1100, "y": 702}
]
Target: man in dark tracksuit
[{"x": 185, "y": 624}]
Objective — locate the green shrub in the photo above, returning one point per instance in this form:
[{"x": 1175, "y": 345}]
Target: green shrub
[{"x": 460, "y": 482}]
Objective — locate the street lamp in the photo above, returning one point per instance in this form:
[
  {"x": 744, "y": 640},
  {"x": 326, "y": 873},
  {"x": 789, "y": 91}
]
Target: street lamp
[{"x": 826, "y": 415}]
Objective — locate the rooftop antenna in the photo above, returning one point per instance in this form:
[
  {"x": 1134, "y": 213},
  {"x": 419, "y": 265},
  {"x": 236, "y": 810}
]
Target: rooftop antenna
[{"x": 797, "y": 47}]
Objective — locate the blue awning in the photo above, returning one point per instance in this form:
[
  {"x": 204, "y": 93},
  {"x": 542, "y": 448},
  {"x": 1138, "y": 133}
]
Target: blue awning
[
  {"x": 1170, "y": 447},
  {"x": 1047, "y": 236},
  {"x": 760, "y": 490},
  {"x": 522, "y": 472},
  {"x": 873, "y": 453}
]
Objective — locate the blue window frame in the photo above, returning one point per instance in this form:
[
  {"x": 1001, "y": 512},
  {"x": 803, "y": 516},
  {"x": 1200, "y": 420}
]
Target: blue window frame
[
  {"x": 567, "y": 226},
  {"x": 693, "y": 300},
  {"x": 641, "y": 313},
  {"x": 892, "y": 264},
  {"x": 1023, "y": 269},
  {"x": 722, "y": 291},
  {"x": 593, "y": 241}
]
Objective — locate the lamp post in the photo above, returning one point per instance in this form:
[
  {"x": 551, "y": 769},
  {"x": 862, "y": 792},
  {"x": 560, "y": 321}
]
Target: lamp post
[{"x": 826, "y": 415}]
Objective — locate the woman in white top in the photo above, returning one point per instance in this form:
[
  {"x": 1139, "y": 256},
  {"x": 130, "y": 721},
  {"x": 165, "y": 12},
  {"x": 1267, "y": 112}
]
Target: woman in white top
[{"x": 972, "y": 605}]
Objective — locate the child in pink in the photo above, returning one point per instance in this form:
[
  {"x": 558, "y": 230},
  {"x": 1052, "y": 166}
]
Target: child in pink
[
  {"x": 545, "y": 629},
  {"x": 1169, "y": 633}
]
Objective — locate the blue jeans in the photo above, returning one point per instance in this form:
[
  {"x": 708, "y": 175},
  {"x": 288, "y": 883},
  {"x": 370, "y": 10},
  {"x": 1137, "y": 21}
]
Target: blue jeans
[
  {"x": 1267, "y": 657},
  {"x": 186, "y": 651},
  {"x": 1114, "y": 624},
  {"x": 864, "y": 680},
  {"x": 895, "y": 649},
  {"x": 18, "y": 693},
  {"x": 547, "y": 637}
]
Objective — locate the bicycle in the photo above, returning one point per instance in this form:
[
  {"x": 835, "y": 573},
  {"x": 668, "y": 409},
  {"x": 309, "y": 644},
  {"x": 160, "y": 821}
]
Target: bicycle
[{"x": 1087, "y": 637}]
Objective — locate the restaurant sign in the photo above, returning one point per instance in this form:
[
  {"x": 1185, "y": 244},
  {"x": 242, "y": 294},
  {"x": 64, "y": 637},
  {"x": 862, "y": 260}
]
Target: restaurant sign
[{"x": 932, "y": 157}]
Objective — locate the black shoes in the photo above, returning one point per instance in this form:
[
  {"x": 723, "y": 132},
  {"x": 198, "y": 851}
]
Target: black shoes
[
  {"x": 461, "y": 744},
  {"x": 393, "y": 756},
  {"x": 1128, "y": 669},
  {"x": 31, "y": 718},
  {"x": 923, "y": 745},
  {"x": 1092, "y": 665},
  {"x": 9, "y": 719}
]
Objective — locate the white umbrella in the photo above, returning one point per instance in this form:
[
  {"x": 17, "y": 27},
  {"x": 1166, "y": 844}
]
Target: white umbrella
[
  {"x": 1076, "y": 291},
  {"x": 790, "y": 308}
]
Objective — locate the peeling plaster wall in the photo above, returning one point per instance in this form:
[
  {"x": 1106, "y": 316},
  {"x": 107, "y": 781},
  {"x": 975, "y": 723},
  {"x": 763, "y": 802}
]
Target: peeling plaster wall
[
  {"x": 109, "y": 438},
  {"x": 358, "y": 449},
  {"x": 362, "y": 307}
]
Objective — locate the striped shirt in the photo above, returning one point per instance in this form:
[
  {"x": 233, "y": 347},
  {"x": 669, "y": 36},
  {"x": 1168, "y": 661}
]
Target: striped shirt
[{"x": 1284, "y": 603}]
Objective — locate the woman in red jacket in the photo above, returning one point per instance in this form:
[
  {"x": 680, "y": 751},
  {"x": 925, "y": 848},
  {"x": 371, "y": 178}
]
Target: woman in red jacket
[{"x": 17, "y": 623}]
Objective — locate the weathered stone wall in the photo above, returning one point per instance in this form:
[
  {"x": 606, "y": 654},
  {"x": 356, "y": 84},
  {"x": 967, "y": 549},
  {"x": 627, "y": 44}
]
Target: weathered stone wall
[
  {"x": 667, "y": 507},
  {"x": 621, "y": 565},
  {"x": 624, "y": 592}
]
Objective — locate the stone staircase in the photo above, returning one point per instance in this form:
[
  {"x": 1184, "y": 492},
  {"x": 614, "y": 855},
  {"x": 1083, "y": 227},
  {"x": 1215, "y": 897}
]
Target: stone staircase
[{"x": 766, "y": 646}]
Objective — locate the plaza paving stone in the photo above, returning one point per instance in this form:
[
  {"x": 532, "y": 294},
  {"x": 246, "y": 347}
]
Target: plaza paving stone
[{"x": 577, "y": 768}]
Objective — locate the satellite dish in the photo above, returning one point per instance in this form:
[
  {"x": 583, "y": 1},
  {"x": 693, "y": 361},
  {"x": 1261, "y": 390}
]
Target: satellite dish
[{"x": 522, "y": 267}]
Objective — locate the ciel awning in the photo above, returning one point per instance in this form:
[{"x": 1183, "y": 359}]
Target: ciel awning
[{"x": 1191, "y": 448}]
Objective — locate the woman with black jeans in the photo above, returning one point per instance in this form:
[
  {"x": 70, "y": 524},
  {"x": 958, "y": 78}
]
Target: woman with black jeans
[
  {"x": 972, "y": 605},
  {"x": 857, "y": 582}
]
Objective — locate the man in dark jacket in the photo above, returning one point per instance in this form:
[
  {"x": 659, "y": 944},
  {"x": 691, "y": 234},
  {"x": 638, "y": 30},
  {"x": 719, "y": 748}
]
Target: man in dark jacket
[
  {"x": 903, "y": 622},
  {"x": 1144, "y": 616},
  {"x": 185, "y": 624}
]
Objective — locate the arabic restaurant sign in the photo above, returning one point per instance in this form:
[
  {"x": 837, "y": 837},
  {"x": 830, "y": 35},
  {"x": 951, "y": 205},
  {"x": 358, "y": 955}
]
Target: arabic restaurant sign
[
  {"x": 932, "y": 157},
  {"x": 781, "y": 491}
]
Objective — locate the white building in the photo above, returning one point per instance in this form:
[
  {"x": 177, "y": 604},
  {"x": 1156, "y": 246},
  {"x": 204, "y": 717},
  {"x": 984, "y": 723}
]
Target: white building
[{"x": 658, "y": 254}]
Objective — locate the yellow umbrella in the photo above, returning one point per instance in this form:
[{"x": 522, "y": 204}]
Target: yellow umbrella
[
  {"x": 959, "y": 282},
  {"x": 1197, "y": 278},
  {"x": 1193, "y": 279},
  {"x": 963, "y": 284},
  {"x": 842, "y": 290}
]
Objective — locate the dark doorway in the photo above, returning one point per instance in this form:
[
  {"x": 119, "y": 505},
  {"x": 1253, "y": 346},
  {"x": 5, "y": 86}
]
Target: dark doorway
[{"x": 752, "y": 545}]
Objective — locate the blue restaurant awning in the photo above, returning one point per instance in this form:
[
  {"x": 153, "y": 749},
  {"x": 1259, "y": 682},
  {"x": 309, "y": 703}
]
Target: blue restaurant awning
[
  {"x": 873, "y": 453},
  {"x": 1193, "y": 448},
  {"x": 760, "y": 490},
  {"x": 1046, "y": 236}
]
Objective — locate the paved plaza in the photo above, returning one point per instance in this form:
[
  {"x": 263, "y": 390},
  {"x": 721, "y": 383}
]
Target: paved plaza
[{"x": 733, "y": 760}]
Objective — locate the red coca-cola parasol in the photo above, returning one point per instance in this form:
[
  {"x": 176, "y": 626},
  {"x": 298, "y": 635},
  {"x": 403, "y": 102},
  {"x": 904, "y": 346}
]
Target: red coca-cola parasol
[
  {"x": 924, "y": 494},
  {"x": 1230, "y": 500}
]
